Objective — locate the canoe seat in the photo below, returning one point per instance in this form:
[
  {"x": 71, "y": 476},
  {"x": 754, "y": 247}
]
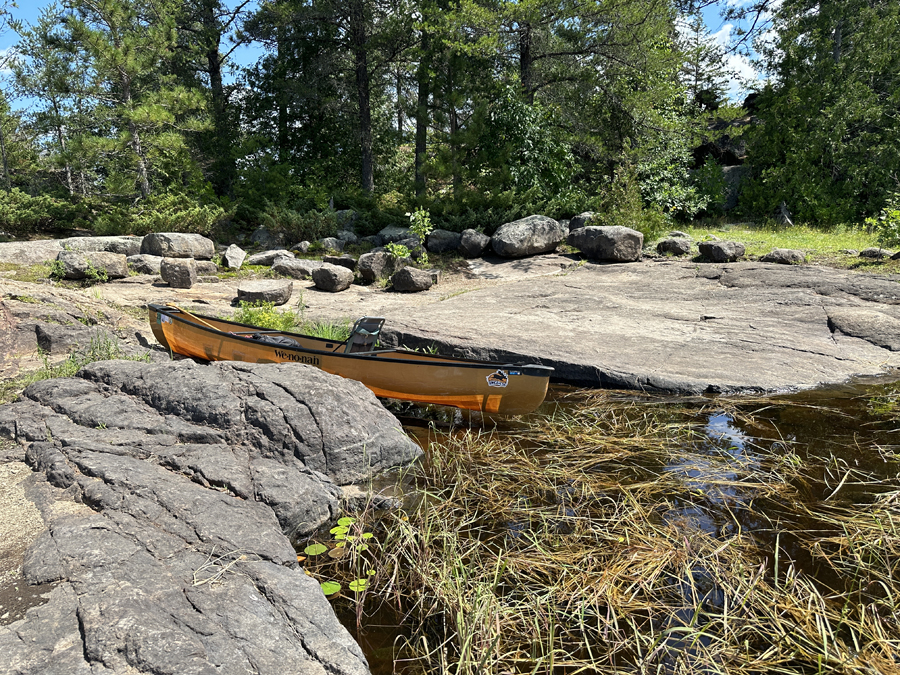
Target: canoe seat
[{"x": 364, "y": 334}]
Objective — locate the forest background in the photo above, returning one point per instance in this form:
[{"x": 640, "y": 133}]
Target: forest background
[{"x": 479, "y": 111}]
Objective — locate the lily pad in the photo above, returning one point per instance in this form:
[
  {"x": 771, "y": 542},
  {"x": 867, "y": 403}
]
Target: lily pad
[
  {"x": 336, "y": 553},
  {"x": 330, "y": 587},
  {"x": 358, "y": 585},
  {"x": 315, "y": 549}
]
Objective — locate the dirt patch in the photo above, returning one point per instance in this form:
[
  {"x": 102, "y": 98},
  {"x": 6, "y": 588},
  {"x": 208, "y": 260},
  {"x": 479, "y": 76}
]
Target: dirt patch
[{"x": 20, "y": 525}]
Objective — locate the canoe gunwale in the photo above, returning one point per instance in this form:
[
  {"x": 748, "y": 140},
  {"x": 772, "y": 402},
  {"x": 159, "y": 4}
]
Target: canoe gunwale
[{"x": 422, "y": 359}]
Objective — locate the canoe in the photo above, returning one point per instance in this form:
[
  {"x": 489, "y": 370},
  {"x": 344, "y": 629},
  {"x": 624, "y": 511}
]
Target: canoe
[{"x": 486, "y": 386}]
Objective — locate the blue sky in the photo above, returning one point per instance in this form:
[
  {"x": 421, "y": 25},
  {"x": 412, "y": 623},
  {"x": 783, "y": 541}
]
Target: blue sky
[{"x": 29, "y": 10}]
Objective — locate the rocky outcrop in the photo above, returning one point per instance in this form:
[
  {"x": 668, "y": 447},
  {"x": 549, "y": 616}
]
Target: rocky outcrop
[
  {"x": 473, "y": 243},
  {"x": 613, "y": 244},
  {"x": 265, "y": 238},
  {"x": 411, "y": 280},
  {"x": 721, "y": 251},
  {"x": 170, "y": 516},
  {"x": 178, "y": 245},
  {"x": 95, "y": 265},
  {"x": 179, "y": 272},
  {"x": 276, "y": 291},
  {"x": 528, "y": 236},
  {"x": 581, "y": 220},
  {"x": 332, "y": 278}
]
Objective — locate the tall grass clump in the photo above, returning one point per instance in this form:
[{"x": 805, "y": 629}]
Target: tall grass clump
[
  {"x": 615, "y": 538},
  {"x": 101, "y": 348},
  {"x": 265, "y": 315}
]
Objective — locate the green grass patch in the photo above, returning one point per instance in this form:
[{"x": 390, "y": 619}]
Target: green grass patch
[
  {"x": 101, "y": 348},
  {"x": 265, "y": 315}
]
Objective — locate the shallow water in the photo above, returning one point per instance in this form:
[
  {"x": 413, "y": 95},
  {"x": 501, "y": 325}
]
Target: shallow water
[{"x": 846, "y": 439}]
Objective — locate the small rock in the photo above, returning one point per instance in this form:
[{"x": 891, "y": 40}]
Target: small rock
[
  {"x": 411, "y": 280},
  {"x": 178, "y": 245},
  {"x": 849, "y": 251},
  {"x": 302, "y": 247},
  {"x": 673, "y": 247},
  {"x": 294, "y": 267},
  {"x": 179, "y": 272},
  {"x": 722, "y": 251},
  {"x": 332, "y": 244},
  {"x": 234, "y": 257},
  {"x": 678, "y": 234},
  {"x": 144, "y": 264},
  {"x": 615, "y": 243},
  {"x": 85, "y": 265},
  {"x": 347, "y": 237},
  {"x": 472, "y": 243},
  {"x": 440, "y": 241},
  {"x": 875, "y": 253},
  {"x": 581, "y": 220},
  {"x": 268, "y": 257},
  {"x": 784, "y": 256},
  {"x": 332, "y": 278},
  {"x": 345, "y": 260},
  {"x": 276, "y": 291}
]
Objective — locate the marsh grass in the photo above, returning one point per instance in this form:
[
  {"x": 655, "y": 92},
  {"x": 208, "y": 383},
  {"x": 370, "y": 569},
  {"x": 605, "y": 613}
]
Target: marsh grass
[{"x": 613, "y": 537}]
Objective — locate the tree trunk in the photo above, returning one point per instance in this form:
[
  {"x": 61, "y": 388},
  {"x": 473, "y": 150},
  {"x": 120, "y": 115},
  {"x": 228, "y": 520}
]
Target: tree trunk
[
  {"x": 454, "y": 130},
  {"x": 360, "y": 56},
  {"x": 422, "y": 82},
  {"x": 281, "y": 99},
  {"x": 5, "y": 161},
  {"x": 61, "y": 139},
  {"x": 526, "y": 63},
  {"x": 223, "y": 166},
  {"x": 143, "y": 178}
]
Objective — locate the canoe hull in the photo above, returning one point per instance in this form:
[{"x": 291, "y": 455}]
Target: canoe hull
[{"x": 494, "y": 388}]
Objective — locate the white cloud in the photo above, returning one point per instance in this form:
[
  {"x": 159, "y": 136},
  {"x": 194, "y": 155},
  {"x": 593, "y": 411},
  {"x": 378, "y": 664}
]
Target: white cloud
[{"x": 7, "y": 56}]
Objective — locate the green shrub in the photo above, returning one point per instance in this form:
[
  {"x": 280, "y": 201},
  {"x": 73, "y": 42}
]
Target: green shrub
[
  {"x": 295, "y": 226},
  {"x": 20, "y": 213},
  {"x": 887, "y": 224},
  {"x": 162, "y": 213},
  {"x": 264, "y": 315}
]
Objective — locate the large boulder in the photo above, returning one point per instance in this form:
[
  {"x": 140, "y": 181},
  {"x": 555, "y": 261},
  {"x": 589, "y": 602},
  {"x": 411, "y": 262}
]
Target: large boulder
[
  {"x": 393, "y": 234},
  {"x": 178, "y": 245},
  {"x": 441, "y": 241},
  {"x": 126, "y": 245},
  {"x": 172, "y": 494},
  {"x": 93, "y": 265},
  {"x": 473, "y": 243},
  {"x": 875, "y": 253},
  {"x": 581, "y": 220},
  {"x": 234, "y": 257},
  {"x": 332, "y": 244},
  {"x": 613, "y": 244},
  {"x": 264, "y": 238},
  {"x": 298, "y": 268},
  {"x": 784, "y": 256},
  {"x": 528, "y": 236},
  {"x": 347, "y": 237},
  {"x": 674, "y": 246},
  {"x": 268, "y": 257},
  {"x": 179, "y": 272},
  {"x": 375, "y": 265},
  {"x": 144, "y": 264},
  {"x": 722, "y": 251},
  {"x": 332, "y": 278},
  {"x": 345, "y": 260},
  {"x": 276, "y": 291},
  {"x": 411, "y": 280}
]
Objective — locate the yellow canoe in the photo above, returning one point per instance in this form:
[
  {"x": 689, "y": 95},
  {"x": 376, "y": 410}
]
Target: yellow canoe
[{"x": 496, "y": 388}]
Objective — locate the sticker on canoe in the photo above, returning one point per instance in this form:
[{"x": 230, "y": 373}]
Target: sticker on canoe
[
  {"x": 163, "y": 318},
  {"x": 498, "y": 379}
]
